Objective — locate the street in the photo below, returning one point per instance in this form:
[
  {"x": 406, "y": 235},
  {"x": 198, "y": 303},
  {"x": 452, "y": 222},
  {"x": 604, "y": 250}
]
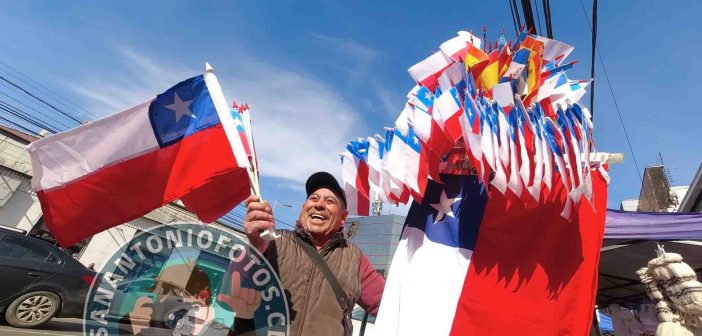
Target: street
[{"x": 57, "y": 326}]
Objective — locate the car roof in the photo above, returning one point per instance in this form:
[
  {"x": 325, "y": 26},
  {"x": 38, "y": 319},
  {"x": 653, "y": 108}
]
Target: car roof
[
  {"x": 53, "y": 249},
  {"x": 33, "y": 239}
]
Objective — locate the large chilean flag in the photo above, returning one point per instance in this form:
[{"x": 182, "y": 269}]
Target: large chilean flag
[
  {"x": 181, "y": 144},
  {"x": 469, "y": 265}
]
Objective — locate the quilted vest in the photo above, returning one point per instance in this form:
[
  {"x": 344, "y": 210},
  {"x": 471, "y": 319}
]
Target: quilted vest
[{"x": 314, "y": 309}]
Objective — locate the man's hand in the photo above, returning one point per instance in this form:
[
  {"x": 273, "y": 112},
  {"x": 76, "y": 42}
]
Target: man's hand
[
  {"x": 201, "y": 312},
  {"x": 259, "y": 217},
  {"x": 243, "y": 301}
]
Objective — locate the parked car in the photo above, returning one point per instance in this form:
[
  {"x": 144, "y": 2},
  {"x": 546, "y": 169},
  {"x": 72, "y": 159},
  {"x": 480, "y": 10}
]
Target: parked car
[{"x": 39, "y": 281}]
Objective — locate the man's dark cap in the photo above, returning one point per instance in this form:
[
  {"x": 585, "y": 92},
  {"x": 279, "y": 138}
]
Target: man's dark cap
[{"x": 320, "y": 180}]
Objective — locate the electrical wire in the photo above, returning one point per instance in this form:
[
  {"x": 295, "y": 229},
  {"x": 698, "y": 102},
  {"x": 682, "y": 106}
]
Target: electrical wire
[
  {"x": 516, "y": 14},
  {"x": 609, "y": 83},
  {"x": 547, "y": 17},
  {"x": 514, "y": 18},
  {"x": 21, "y": 115},
  {"x": 538, "y": 18},
  {"x": 61, "y": 99},
  {"x": 38, "y": 111},
  {"x": 15, "y": 125},
  {"x": 39, "y": 99},
  {"x": 28, "y": 118}
]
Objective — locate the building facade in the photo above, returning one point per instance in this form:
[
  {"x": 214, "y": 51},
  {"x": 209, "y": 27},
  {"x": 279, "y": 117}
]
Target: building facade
[
  {"x": 377, "y": 237},
  {"x": 19, "y": 205},
  {"x": 692, "y": 201},
  {"x": 657, "y": 195}
]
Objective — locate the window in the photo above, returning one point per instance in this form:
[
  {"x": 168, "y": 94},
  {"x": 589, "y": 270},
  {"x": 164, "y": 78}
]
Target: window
[
  {"x": 53, "y": 258},
  {"x": 14, "y": 247}
]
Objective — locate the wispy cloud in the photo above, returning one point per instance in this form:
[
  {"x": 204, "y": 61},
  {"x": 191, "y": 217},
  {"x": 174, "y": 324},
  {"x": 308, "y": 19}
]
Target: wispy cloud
[
  {"x": 352, "y": 57},
  {"x": 137, "y": 79},
  {"x": 348, "y": 48},
  {"x": 357, "y": 61},
  {"x": 300, "y": 122},
  {"x": 389, "y": 101}
]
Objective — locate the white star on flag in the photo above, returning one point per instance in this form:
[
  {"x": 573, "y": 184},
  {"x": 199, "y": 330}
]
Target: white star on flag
[
  {"x": 444, "y": 207},
  {"x": 180, "y": 108}
]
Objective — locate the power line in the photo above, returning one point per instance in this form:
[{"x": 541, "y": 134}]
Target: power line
[
  {"x": 538, "y": 18},
  {"x": 514, "y": 18},
  {"x": 57, "y": 96},
  {"x": 528, "y": 15},
  {"x": 547, "y": 17},
  {"x": 33, "y": 119},
  {"x": 609, "y": 83},
  {"x": 593, "y": 28},
  {"x": 516, "y": 14},
  {"x": 241, "y": 216},
  {"x": 32, "y": 108},
  {"x": 39, "y": 99},
  {"x": 21, "y": 115},
  {"x": 14, "y": 124}
]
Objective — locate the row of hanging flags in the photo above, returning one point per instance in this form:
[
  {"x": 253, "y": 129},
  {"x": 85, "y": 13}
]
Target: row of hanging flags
[
  {"x": 507, "y": 215},
  {"x": 513, "y": 111},
  {"x": 186, "y": 143}
]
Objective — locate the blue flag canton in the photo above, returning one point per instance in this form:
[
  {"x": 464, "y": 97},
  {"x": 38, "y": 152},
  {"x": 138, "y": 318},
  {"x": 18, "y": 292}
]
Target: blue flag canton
[
  {"x": 450, "y": 214},
  {"x": 182, "y": 110}
]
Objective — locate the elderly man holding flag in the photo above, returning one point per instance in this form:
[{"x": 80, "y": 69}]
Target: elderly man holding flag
[{"x": 324, "y": 274}]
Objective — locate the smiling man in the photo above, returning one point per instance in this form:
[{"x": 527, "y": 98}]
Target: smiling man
[{"x": 300, "y": 257}]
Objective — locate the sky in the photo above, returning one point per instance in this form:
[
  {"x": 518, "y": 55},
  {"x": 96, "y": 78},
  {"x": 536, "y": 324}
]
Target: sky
[{"x": 317, "y": 74}]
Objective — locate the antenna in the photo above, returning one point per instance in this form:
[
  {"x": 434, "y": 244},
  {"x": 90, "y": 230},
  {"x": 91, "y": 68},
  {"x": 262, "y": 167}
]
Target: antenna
[
  {"x": 377, "y": 206},
  {"x": 667, "y": 171}
]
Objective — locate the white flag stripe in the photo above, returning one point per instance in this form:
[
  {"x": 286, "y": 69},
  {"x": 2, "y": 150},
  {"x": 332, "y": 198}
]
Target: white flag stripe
[
  {"x": 424, "y": 301},
  {"x": 429, "y": 66},
  {"x": 66, "y": 156}
]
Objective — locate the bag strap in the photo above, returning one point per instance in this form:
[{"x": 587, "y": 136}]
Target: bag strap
[{"x": 324, "y": 268}]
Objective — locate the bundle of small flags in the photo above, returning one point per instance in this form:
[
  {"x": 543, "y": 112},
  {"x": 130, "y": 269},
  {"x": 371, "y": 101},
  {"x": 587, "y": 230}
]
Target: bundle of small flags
[{"x": 507, "y": 113}]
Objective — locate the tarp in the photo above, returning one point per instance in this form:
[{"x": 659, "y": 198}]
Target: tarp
[
  {"x": 653, "y": 225},
  {"x": 630, "y": 241}
]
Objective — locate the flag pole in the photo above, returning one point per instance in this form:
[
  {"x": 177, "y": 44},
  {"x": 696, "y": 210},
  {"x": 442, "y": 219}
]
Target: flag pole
[{"x": 253, "y": 168}]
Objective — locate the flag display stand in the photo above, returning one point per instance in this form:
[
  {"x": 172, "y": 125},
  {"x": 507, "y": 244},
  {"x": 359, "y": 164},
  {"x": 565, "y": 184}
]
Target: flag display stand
[{"x": 507, "y": 189}]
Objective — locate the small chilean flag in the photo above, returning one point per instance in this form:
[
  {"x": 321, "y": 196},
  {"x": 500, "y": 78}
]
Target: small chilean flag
[
  {"x": 427, "y": 72},
  {"x": 356, "y": 185},
  {"x": 181, "y": 144}
]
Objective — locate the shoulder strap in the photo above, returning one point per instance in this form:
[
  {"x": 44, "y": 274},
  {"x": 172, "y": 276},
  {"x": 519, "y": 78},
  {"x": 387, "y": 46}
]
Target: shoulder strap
[{"x": 324, "y": 268}]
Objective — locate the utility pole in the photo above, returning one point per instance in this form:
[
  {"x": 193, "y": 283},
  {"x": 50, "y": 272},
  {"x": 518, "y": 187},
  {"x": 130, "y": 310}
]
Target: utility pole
[{"x": 528, "y": 16}]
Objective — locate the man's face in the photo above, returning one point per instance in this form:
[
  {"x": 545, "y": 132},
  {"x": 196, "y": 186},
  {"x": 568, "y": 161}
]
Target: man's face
[{"x": 323, "y": 213}]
